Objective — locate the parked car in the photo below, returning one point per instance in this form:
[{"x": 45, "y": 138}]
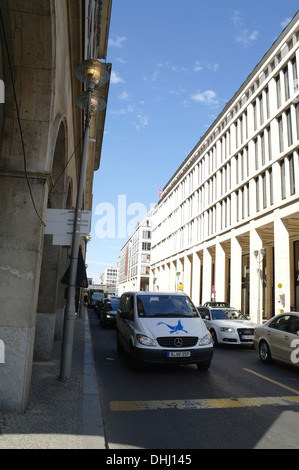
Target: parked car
[
  {"x": 215, "y": 303},
  {"x": 109, "y": 312},
  {"x": 154, "y": 327},
  {"x": 228, "y": 325},
  {"x": 278, "y": 338}
]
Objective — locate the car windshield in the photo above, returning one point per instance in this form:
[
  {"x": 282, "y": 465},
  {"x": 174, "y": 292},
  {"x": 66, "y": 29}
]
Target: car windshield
[
  {"x": 227, "y": 314},
  {"x": 165, "y": 306},
  {"x": 114, "y": 304}
]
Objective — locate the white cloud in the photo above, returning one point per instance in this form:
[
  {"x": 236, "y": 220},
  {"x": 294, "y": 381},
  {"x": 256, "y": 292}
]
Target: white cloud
[
  {"x": 118, "y": 42},
  {"x": 124, "y": 96},
  {"x": 246, "y": 37},
  {"x": 208, "y": 97},
  {"x": 115, "y": 78},
  {"x": 197, "y": 67},
  {"x": 143, "y": 122},
  {"x": 236, "y": 17},
  {"x": 285, "y": 22},
  {"x": 122, "y": 111}
]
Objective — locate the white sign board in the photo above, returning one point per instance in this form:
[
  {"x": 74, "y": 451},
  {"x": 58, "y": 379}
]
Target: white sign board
[{"x": 60, "y": 224}]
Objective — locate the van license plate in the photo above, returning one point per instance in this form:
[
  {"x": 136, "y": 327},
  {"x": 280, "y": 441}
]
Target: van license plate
[{"x": 178, "y": 354}]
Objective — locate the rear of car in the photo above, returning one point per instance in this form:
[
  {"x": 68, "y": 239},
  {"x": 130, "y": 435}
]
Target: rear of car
[{"x": 162, "y": 328}]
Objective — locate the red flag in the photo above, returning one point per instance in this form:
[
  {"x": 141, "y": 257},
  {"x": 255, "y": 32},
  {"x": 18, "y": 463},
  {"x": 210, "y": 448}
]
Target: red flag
[{"x": 160, "y": 193}]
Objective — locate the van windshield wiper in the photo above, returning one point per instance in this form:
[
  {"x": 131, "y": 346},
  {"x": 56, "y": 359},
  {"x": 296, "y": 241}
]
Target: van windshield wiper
[{"x": 161, "y": 315}]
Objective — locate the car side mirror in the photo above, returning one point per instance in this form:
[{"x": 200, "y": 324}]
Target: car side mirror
[{"x": 125, "y": 315}]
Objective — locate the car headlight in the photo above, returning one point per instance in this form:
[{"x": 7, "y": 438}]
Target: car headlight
[
  {"x": 227, "y": 329},
  {"x": 207, "y": 339},
  {"x": 145, "y": 340}
]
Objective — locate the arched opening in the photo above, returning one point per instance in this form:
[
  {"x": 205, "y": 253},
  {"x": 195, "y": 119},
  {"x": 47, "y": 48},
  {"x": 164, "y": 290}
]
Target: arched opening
[{"x": 50, "y": 305}]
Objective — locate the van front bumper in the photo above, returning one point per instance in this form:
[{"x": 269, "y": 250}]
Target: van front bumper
[{"x": 161, "y": 356}]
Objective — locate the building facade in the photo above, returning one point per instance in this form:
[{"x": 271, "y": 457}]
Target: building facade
[
  {"x": 135, "y": 257},
  {"x": 227, "y": 224},
  {"x": 40, "y": 154},
  {"x": 109, "y": 277}
]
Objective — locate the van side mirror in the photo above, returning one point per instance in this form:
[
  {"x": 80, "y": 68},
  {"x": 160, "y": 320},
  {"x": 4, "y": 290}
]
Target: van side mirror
[{"x": 125, "y": 315}]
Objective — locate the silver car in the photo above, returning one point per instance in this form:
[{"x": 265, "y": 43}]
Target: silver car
[{"x": 278, "y": 338}]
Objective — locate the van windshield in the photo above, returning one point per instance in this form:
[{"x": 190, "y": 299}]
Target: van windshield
[{"x": 165, "y": 306}]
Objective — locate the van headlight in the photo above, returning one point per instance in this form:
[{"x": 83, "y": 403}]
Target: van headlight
[
  {"x": 145, "y": 340},
  {"x": 207, "y": 339}
]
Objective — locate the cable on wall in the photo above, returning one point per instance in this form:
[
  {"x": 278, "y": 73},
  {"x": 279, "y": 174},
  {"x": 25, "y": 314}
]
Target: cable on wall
[{"x": 18, "y": 118}]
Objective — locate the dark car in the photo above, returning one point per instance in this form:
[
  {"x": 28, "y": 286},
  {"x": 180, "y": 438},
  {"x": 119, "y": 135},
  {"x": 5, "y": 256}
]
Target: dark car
[
  {"x": 109, "y": 312},
  {"x": 99, "y": 306}
]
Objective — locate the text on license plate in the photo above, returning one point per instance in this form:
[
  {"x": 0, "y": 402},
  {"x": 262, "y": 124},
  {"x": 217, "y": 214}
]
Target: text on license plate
[
  {"x": 247, "y": 337},
  {"x": 178, "y": 354}
]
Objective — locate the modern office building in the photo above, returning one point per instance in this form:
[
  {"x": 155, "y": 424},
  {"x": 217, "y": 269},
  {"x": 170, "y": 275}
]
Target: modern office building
[
  {"x": 135, "y": 257},
  {"x": 227, "y": 224},
  {"x": 109, "y": 277}
]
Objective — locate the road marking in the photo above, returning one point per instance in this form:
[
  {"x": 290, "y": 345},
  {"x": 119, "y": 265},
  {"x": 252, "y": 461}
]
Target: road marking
[
  {"x": 199, "y": 404},
  {"x": 273, "y": 381}
]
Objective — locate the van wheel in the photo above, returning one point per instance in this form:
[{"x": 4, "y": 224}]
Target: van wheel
[
  {"x": 119, "y": 346},
  {"x": 136, "y": 364},
  {"x": 204, "y": 365}
]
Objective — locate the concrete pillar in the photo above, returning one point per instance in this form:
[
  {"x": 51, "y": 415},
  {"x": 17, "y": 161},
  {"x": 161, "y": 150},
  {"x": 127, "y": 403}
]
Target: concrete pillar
[
  {"x": 20, "y": 255},
  {"x": 220, "y": 273},
  {"x": 236, "y": 273},
  {"x": 196, "y": 264},
  {"x": 281, "y": 267},
  {"x": 207, "y": 276},
  {"x": 46, "y": 307},
  {"x": 256, "y": 275},
  {"x": 187, "y": 275}
]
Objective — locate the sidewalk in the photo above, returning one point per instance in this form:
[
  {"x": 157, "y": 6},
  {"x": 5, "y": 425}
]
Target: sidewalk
[{"x": 60, "y": 415}]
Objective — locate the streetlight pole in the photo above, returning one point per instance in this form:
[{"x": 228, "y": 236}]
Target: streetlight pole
[{"x": 93, "y": 73}]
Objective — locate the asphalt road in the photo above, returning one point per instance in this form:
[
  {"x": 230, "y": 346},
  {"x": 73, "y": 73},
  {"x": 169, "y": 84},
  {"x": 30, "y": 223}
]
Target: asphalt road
[{"x": 240, "y": 403}]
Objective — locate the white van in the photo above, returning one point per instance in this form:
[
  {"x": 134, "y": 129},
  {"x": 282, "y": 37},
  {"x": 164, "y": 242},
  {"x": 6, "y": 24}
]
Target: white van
[{"x": 156, "y": 327}]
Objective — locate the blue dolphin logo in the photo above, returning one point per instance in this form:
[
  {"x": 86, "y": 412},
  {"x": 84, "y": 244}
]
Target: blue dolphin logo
[{"x": 178, "y": 327}]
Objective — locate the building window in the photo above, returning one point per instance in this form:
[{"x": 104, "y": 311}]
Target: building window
[
  {"x": 289, "y": 127},
  {"x": 271, "y": 185},
  {"x": 292, "y": 174},
  {"x": 286, "y": 83},
  {"x": 280, "y": 133},
  {"x": 257, "y": 194},
  {"x": 278, "y": 91},
  {"x": 283, "y": 179}
]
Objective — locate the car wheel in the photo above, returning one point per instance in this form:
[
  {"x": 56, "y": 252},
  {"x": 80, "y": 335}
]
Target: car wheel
[
  {"x": 203, "y": 365},
  {"x": 120, "y": 347},
  {"x": 214, "y": 338},
  {"x": 135, "y": 362},
  {"x": 264, "y": 352}
]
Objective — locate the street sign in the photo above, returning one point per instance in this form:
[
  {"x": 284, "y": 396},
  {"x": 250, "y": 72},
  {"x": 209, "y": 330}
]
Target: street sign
[{"x": 60, "y": 224}]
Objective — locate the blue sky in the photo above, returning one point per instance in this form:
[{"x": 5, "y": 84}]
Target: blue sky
[{"x": 174, "y": 66}]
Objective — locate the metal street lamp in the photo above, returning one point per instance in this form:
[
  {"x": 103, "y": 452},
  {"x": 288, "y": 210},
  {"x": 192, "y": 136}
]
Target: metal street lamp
[
  {"x": 94, "y": 74},
  {"x": 259, "y": 254}
]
